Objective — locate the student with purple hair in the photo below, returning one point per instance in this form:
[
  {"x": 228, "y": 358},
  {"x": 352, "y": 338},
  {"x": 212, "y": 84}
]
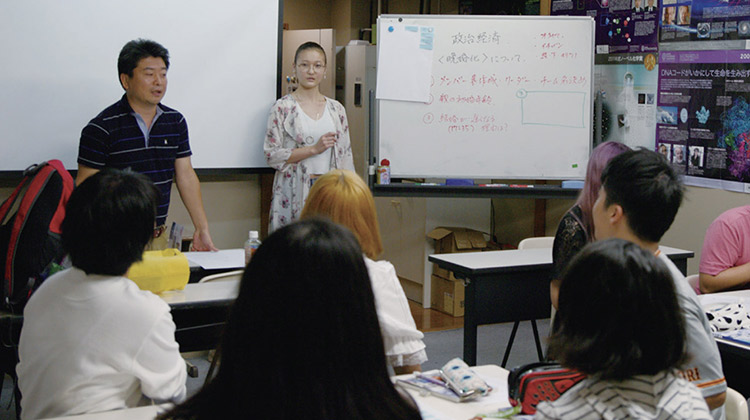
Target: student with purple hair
[{"x": 576, "y": 228}]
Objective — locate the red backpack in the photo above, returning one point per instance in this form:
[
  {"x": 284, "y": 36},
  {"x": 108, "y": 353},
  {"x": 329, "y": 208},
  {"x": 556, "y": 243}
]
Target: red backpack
[{"x": 30, "y": 231}]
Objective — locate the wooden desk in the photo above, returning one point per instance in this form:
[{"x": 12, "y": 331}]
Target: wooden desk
[
  {"x": 433, "y": 407},
  {"x": 513, "y": 285}
]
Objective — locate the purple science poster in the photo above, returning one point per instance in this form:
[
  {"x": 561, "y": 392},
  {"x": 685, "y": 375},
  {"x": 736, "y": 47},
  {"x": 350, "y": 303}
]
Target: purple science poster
[
  {"x": 622, "y": 26},
  {"x": 704, "y": 20},
  {"x": 703, "y": 116}
]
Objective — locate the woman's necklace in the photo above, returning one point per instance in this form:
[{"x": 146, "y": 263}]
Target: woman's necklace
[{"x": 312, "y": 103}]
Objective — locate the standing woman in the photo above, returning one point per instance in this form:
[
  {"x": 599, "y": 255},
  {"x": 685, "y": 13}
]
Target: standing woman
[{"x": 307, "y": 136}]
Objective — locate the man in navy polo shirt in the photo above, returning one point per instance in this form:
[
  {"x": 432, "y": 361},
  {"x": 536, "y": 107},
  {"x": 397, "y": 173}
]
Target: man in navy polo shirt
[{"x": 140, "y": 133}]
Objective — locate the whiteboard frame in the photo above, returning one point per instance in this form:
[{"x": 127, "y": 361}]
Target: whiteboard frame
[
  {"x": 254, "y": 163},
  {"x": 422, "y": 19}
]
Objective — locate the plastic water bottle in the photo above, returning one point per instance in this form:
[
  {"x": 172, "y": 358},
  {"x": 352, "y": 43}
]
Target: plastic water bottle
[{"x": 251, "y": 245}]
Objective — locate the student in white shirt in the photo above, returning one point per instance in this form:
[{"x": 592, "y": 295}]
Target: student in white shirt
[
  {"x": 619, "y": 322},
  {"x": 92, "y": 341},
  {"x": 343, "y": 197}
]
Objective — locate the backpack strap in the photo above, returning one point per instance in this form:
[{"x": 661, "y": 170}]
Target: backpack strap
[
  {"x": 39, "y": 179},
  {"x": 67, "y": 189}
]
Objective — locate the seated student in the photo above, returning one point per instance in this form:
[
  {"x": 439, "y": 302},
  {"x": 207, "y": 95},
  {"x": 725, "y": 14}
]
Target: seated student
[
  {"x": 343, "y": 197},
  {"x": 93, "y": 341},
  {"x": 619, "y": 322},
  {"x": 725, "y": 258},
  {"x": 576, "y": 227},
  {"x": 638, "y": 201},
  {"x": 302, "y": 340}
]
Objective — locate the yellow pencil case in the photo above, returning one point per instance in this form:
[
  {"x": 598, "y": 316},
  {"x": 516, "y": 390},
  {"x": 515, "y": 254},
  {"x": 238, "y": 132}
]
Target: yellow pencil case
[{"x": 160, "y": 271}]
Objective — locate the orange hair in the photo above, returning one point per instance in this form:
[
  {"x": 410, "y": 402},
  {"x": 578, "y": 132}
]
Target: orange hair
[{"x": 343, "y": 197}]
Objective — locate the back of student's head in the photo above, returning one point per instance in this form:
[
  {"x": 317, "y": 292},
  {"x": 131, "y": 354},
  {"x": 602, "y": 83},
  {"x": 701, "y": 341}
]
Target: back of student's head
[
  {"x": 343, "y": 197},
  {"x": 302, "y": 339},
  {"x": 644, "y": 184},
  {"x": 109, "y": 220},
  {"x": 618, "y": 314}
]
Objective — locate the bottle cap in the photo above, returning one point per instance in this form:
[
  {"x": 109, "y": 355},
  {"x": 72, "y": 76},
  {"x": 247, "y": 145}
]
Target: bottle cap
[
  {"x": 253, "y": 234},
  {"x": 385, "y": 162}
]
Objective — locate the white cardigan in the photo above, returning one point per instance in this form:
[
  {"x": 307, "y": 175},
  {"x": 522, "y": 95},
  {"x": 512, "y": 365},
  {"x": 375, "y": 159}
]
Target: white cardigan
[{"x": 403, "y": 342}]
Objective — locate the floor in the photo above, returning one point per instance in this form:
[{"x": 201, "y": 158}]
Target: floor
[{"x": 429, "y": 320}]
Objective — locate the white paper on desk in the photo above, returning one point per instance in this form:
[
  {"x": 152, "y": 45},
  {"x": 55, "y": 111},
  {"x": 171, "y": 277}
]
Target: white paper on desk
[
  {"x": 225, "y": 258},
  {"x": 405, "y": 62}
]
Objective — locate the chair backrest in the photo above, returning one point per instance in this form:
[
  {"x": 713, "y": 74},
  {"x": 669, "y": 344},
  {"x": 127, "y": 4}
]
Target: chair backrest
[
  {"x": 735, "y": 406},
  {"x": 694, "y": 283},
  {"x": 537, "y": 242},
  {"x": 235, "y": 275}
]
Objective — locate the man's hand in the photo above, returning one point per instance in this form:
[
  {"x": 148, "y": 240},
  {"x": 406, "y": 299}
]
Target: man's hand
[{"x": 202, "y": 241}]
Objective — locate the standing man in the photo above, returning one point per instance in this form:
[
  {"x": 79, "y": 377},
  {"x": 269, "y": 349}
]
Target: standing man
[
  {"x": 638, "y": 201},
  {"x": 140, "y": 133}
]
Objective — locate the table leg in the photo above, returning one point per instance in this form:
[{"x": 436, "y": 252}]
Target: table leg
[{"x": 470, "y": 325}]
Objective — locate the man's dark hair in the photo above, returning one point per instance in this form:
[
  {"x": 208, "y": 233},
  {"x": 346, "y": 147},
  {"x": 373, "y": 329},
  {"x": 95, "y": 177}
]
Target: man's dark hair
[
  {"x": 135, "y": 51},
  {"x": 109, "y": 220},
  {"x": 644, "y": 184},
  {"x": 618, "y": 314}
]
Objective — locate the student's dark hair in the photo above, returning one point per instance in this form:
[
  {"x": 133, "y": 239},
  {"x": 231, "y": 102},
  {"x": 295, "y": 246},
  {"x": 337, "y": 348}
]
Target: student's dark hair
[
  {"x": 135, "y": 51},
  {"x": 644, "y": 184},
  {"x": 302, "y": 339},
  {"x": 310, "y": 46},
  {"x": 618, "y": 314},
  {"x": 109, "y": 220}
]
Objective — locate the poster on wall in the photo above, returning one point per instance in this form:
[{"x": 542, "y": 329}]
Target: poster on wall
[
  {"x": 622, "y": 26},
  {"x": 703, "y": 20},
  {"x": 625, "y": 103},
  {"x": 703, "y": 116}
]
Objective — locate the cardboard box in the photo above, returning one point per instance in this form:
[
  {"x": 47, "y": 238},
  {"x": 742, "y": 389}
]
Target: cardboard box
[
  {"x": 447, "y": 296},
  {"x": 455, "y": 239}
]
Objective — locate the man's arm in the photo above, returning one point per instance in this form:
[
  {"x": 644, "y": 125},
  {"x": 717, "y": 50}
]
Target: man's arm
[
  {"x": 716, "y": 401},
  {"x": 731, "y": 277},
  {"x": 84, "y": 172},
  {"x": 190, "y": 191}
]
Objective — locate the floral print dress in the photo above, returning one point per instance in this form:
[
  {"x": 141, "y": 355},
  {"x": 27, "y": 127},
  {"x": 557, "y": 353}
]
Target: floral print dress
[{"x": 292, "y": 181}]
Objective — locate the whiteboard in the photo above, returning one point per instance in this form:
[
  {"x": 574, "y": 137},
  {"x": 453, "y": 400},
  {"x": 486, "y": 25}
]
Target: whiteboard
[
  {"x": 59, "y": 70},
  {"x": 509, "y": 96}
]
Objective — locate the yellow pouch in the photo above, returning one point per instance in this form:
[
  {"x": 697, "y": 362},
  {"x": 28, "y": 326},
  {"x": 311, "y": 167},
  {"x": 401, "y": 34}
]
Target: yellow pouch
[{"x": 160, "y": 271}]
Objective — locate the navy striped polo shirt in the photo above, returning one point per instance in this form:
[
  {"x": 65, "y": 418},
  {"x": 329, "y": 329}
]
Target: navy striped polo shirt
[{"x": 114, "y": 139}]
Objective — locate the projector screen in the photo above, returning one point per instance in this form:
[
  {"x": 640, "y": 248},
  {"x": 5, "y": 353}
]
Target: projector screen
[{"x": 59, "y": 70}]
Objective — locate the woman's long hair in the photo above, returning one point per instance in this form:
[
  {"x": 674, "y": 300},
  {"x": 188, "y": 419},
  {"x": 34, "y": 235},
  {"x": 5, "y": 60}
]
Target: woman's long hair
[
  {"x": 600, "y": 156},
  {"x": 302, "y": 339}
]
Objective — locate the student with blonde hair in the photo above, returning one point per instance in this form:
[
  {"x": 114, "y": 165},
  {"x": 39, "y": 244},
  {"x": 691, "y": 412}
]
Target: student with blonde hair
[{"x": 343, "y": 197}]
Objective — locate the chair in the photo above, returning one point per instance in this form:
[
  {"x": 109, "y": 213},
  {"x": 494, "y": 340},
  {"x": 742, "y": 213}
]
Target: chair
[
  {"x": 529, "y": 243},
  {"x": 226, "y": 276},
  {"x": 735, "y": 406},
  {"x": 694, "y": 283}
]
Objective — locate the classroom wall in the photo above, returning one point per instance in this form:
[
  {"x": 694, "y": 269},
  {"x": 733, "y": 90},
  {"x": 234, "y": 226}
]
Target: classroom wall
[{"x": 299, "y": 14}]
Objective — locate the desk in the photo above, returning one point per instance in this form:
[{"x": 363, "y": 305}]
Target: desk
[
  {"x": 433, "y": 407},
  {"x": 200, "y": 312},
  {"x": 138, "y": 413},
  {"x": 513, "y": 285},
  {"x": 735, "y": 357}
]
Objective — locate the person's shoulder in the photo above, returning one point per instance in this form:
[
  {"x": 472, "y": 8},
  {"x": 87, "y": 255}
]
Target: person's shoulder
[
  {"x": 116, "y": 109},
  {"x": 335, "y": 104},
  {"x": 171, "y": 112},
  {"x": 149, "y": 304},
  {"x": 380, "y": 266},
  {"x": 734, "y": 214}
]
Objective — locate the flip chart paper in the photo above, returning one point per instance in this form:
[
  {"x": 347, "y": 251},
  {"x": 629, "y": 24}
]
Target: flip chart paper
[{"x": 405, "y": 63}]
